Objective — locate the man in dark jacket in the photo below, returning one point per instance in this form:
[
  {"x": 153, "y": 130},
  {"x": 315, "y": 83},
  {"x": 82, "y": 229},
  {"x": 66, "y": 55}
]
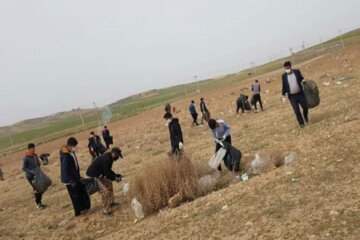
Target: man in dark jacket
[
  {"x": 95, "y": 146},
  {"x": 30, "y": 163},
  {"x": 107, "y": 138},
  {"x": 204, "y": 110},
  {"x": 101, "y": 170},
  {"x": 176, "y": 136},
  {"x": 241, "y": 103},
  {"x": 70, "y": 176},
  {"x": 291, "y": 85},
  {"x": 193, "y": 113}
]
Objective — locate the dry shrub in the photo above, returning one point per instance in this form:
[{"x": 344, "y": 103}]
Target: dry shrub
[{"x": 161, "y": 180}]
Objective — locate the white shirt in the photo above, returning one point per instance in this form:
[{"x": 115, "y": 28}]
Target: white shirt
[{"x": 293, "y": 84}]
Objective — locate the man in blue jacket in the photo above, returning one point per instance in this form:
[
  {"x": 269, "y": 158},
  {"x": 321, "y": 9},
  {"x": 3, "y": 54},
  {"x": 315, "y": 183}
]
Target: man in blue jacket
[
  {"x": 70, "y": 177},
  {"x": 30, "y": 163},
  {"x": 291, "y": 85},
  {"x": 193, "y": 113},
  {"x": 221, "y": 133}
]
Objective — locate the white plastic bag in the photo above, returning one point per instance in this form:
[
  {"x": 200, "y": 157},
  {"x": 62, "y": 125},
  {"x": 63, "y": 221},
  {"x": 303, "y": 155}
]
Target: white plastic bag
[
  {"x": 215, "y": 161},
  {"x": 137, "y": 207},
  {"x": 126, "y": 188},
  {"x": 289, "y": 158}
]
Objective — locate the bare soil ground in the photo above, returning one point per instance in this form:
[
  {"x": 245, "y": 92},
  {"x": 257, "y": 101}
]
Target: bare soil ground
[{"x": 317, "y": 197}]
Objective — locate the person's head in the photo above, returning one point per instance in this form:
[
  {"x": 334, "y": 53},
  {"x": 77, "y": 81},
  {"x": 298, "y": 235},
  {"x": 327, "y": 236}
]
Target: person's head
[
  {"x": 213, "y": 124},
  {"x": 92, "y": 133},
  {"x": 202, "y": 99},
  {"x": 116, "y": 153},
  {"x": 287, "y": 66},
  {"x": 192, "y": 102},
  {"x": 105, "y": 127},
  {"x": 72, "y": 144},
  {"x": 31, "y": 148},
  {"x": 168, "y": 117},
  {"x": 257, "y": 81}
]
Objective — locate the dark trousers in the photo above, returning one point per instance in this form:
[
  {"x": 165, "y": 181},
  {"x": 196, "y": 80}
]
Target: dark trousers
[
  {"x": 195, "y": 116},
  {"x": 256, "y": 99},
  {"x": 79, "y": 198},
  {"x": 296, "y": 101},
  {"x": 218, "y": 146},
  {"x": 38, "y": 196},
  {"x": 175, "y": 149},
  {"x": 240, "y": 106}
]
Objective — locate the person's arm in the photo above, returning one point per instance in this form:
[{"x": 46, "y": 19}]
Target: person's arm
[
  {"x": 108, "y": 172},
  {"x": 227, "y": 130},
  {"x": 301, "y": 76},
  {"x": 26, "y": 166},
  {"x": 283, "y": 86},
  {"x": 178, "y": 133}
]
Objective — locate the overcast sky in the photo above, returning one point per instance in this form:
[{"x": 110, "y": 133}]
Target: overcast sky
[{"x": 62, "y": 54}]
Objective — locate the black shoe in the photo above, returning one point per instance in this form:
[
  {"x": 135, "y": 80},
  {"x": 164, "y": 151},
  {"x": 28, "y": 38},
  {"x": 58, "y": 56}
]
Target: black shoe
[{"x": 306, "y": 120}]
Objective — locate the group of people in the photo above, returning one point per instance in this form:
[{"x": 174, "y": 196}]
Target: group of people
[
  {"x": 100, "y": 170},
  {"x": 101, "y": 167},
  {"x": 95, "y": 146},
  {"x": 291, "y": 86}
]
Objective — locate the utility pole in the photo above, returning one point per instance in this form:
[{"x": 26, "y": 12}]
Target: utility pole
[
  {"x": 96, "y": 113},
  {"x": 197, "y": 84},
  {"x": 341, "y": 39},
  {"x": 12, "y": 142},
  {"x": 82, "y": 119}
]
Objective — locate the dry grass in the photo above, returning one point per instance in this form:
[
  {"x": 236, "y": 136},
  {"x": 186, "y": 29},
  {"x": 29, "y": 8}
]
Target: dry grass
[{"x": 163, "y": 179}]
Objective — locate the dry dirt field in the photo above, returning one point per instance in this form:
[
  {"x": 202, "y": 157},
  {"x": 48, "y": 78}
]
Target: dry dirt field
[{"x": 317, "y": 197}]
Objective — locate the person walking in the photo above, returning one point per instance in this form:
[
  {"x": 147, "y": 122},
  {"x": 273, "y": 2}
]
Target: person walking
[
  {"x": 193, "y": 113},
  {"x": 204, "y": 111},
  {"x": 221, "y": 132},
  {"x": 108, "y": 139},
  {"x": 291, "y": 85},
  {"x": 176, "y": 136},
  {"x": 30, "y": 163},
  {"x": 255, "y": 87},
  {"x": 70, "y": 177},
  {"x": 95, "y": 145},
  {"x": 101, "y": 170}
]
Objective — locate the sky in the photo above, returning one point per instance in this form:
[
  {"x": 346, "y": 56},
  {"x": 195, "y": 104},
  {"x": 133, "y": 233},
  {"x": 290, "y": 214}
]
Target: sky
[{"x": 63, "y": 54}]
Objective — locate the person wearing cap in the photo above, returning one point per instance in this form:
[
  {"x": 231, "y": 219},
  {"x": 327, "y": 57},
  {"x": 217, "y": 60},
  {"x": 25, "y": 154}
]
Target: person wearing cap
[
  {"x": 176, "y": 136},
  {"x": 291, "y": 85},
  {"x": 255, "y": 88},
  {"x": 101, "y": 170},
  {"x": 204, "y": 110},
  {"x": 70, "y": 177},
  {"x": 30, "y": 162},
  {"x": 193, "y": 113},
  {"x": 221, "y": 132}
]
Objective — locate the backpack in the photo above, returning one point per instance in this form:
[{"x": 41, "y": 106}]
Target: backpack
[{"x": 311, "y": 92}]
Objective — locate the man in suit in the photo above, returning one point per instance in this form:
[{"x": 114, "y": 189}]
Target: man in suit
[{"x": 291, "y": 85}]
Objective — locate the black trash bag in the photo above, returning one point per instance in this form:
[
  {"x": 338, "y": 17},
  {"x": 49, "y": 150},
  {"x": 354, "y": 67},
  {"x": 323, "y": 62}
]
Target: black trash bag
[
  {"x": 90, "y": 185},
  {"x": 233, "y": 157},
  {"x": 111, "y": 140},
  {"x": 102, "y": 149},
  {"x": 247, "y": 106},
  {"x": 311, "y": 92},
  {"x": 41, "y": 182}
]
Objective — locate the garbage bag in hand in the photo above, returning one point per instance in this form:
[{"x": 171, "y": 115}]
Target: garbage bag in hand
[
  {"x": 233, "y": 158},
  {"x": 215, "y": 161},
  {"x": 41, "y": 182},
  {"x": 90, "y": 185},
  {"x": 311, "y": 92}
]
